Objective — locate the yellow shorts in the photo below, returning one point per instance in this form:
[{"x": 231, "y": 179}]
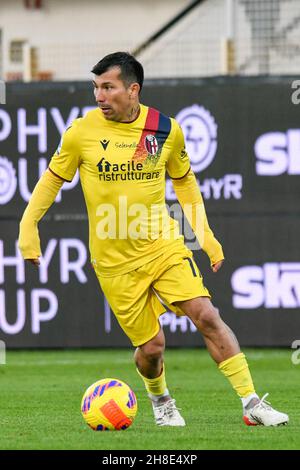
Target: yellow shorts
[{"x": 134, "y": 296}]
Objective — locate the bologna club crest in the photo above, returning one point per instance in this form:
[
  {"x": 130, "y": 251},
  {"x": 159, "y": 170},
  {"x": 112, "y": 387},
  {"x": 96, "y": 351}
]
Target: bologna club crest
[{"x": 151, "y": 144}]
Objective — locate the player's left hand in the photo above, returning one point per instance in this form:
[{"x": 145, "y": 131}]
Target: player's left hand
[{"x": 215, "y": 267}]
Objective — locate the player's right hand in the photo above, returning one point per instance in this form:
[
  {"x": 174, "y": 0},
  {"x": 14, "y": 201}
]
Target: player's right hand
[{"x": 34, "y": 261}]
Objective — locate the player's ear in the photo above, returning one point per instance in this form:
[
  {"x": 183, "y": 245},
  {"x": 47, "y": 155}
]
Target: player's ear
[{"x": 134, "y": 91}]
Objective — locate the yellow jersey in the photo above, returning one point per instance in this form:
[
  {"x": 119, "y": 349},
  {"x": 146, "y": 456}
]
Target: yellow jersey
[{"x": 122, "y": 170}]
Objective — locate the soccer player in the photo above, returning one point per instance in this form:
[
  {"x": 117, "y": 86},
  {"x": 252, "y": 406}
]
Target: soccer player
[{"x": 123, "y": 150}]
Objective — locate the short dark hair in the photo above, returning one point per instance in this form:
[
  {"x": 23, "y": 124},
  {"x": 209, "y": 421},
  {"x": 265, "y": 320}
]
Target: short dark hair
[{"x": 131, "y": 70}]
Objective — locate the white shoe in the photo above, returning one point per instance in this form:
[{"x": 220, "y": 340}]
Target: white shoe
[
  {"x": 166, "y": 413},
  {"x": 263, "y": 414}
]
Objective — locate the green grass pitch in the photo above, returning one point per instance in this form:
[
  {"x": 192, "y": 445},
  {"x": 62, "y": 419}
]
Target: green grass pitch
[{"x": 41, "y": 393}]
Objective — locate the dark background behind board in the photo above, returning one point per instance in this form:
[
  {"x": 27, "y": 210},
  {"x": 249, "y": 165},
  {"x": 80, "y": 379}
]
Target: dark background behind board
[{"x": 260, "y": 228}]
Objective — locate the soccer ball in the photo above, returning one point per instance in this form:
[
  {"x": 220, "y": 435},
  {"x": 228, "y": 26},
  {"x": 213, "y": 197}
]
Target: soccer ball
[{"x": 109, "y": 404}]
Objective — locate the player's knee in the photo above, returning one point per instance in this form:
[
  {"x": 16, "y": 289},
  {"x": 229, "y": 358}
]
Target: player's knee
[
  {"x": 153, "y": 350},
  {"x": 207, "y": 318},
  {"x": 210, "y": 318}
]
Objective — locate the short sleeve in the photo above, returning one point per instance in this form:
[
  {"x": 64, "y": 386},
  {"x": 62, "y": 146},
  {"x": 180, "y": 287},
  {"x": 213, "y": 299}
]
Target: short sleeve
[
  {"x": 66, "y": 159},
  {"x": 178, "y": 163}
]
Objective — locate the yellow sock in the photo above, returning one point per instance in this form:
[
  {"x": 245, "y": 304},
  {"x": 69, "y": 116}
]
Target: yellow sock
[
  {"x": 156, "y": 386},
  {"x": 237, "y": 372}
]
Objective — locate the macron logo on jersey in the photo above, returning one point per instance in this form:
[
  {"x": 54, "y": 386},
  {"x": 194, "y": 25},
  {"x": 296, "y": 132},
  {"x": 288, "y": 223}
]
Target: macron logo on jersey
[{"x": 104, "y": 143}]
